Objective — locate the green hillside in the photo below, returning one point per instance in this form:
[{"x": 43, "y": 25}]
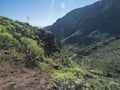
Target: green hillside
[
  {"x": 90, "y": 37},
  {"x": 102, "y": 16},
  {"x": 23, "y": 46},
  {"x": 33, "y": 55},
  {"x": 22, "y": 37}
]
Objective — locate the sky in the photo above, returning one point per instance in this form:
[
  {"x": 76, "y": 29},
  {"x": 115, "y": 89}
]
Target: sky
[{"x": 39, "y": 12}]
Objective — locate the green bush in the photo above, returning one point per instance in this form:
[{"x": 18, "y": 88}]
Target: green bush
[
  {"x": 32, "y": 47},
  {"x": 69, "y": 78},
  {"x": 2, "y": 28},
  {"x": 98, "y": 72},
  {"x": 5, "y": 64},
  {"x": 42, "y": 65},
  {"x": 7, "y": 40}
]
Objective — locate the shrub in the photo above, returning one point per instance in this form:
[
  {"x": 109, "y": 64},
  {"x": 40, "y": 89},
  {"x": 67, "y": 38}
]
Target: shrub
[
  {"x": 7, "y": 40},
  {"x": 5, "y": 64},
  {"x": 42, "y": 65},
  {"x": 2, "y": 28},
  {"x": 98, "y": 72},
  {"x": 32, "y": 48}
]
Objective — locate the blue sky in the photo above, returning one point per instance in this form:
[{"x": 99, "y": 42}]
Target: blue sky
[{"x": 40, "y": 12}]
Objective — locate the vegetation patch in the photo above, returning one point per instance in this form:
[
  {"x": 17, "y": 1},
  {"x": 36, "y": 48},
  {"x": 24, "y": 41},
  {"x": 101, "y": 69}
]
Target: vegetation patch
[
  {"x": 5, "y": 64},
  {"x": 43, "y": 66}
]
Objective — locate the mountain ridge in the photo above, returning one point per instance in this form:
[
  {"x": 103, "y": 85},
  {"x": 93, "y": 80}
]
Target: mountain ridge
[
  {"x": 97, "y": 16},
  {"x": 91, "y": 35},
  {"x": 31, "y": 58}
]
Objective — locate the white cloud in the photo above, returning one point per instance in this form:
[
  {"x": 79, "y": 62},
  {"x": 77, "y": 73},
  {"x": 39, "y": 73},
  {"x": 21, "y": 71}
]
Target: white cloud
[
  {"x": 51, "y": 9},
  {"x": 52, "y": 4},
  {"x": 63, "y": 5},
  {"x": 42, "y": 23}
]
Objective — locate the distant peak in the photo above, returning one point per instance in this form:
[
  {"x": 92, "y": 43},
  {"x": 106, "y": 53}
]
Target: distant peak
[{"x": 109, "y": 1}]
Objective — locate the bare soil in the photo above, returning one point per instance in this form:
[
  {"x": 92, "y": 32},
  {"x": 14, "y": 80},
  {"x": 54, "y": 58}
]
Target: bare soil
[{"x": 21, "y": 78}]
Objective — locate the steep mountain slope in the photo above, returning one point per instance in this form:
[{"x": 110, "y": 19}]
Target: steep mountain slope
[
  {"x": 92, "y": 35},
  {"x": 23, "y": 52},
  {"x": 102, "y": 16},
  {"x": 29, "y": 61},
  {"x": 92, "y": 29}
]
